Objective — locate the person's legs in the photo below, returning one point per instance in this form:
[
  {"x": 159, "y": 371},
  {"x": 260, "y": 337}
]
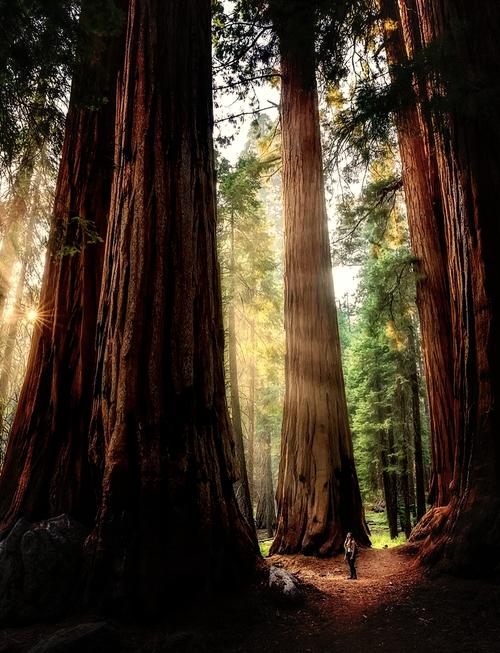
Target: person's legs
[{"x": 351, "y": 567}]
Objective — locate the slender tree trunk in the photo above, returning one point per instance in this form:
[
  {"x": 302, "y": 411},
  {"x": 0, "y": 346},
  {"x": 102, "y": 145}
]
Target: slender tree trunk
[
  {"x": 16, "y": 211},
  {"x": 251, "y": 416},
  {"x": 46, "y": 470},
  {"x": 242, "y": 485},
  {"x": 404, "y": 462},
  {"x": 466, "y": 36},
  {"x": 266, "y": 511},
  {"x": 390, "y": 480},
  {"x": 13, "y": 328},
  {"x": 168, "y": 520},
  {"x": 318, "y": 494},
  {"x": 427, "y": 234},
  {"x": 417, "y": 425}
]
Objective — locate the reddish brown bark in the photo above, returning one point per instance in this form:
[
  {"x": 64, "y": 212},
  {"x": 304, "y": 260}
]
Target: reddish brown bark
[
  {"x": 168, "y": 521},
  {"x": 465, "y": 37},
  {"x": 45, "y": 471},
  {"x": 318, "y": 495},
  {"x": 426, "y": 226}
]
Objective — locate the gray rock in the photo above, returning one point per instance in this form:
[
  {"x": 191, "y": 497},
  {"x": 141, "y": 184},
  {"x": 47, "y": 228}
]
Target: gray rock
[
  {"x": 96, "y": 637},
  {"x": 39, "y": 566},
  {"x": 284, "y": 586}
]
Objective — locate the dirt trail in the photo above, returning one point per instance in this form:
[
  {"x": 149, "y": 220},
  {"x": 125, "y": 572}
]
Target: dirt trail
[{"x": 393, "y": 607}]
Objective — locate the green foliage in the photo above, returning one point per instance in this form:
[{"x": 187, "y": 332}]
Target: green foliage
[
  {"x": 81, "y": 233},
  {"x": 42, "y": 44},
  {"x": 264, "y": 546},
  {"x": 379, "y": 531},
  {"x": 249, "y": 244},
  {"x": 381, "y": 350}
]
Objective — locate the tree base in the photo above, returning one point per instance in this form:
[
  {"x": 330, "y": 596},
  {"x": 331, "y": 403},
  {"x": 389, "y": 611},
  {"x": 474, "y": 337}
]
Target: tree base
[{"x": 461, "y": 538}]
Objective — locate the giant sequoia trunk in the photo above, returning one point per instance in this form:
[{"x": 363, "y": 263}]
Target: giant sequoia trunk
[
  {"x": 465, "y": 38},
  {"x": 318, "y": 494},
  {"x": 427, "y": 234},
  {"x": 168, "y": 520},
  {"x": 46, "y": 471}
]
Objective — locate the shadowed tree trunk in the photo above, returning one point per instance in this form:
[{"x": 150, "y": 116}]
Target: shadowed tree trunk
[
  {"x": 465, "y": 38},
  {"x": 318, "y": 494},
  {"x": 266, "y": 510},
  {"x": 427, "y": 235},
  {"x": 46, "y": 470},
  {"x": 404, "y": 461},
  {"x": 241, "y": 485},
  {"x": 168, "y": 521},
  {"x": 417, "y": 425}
]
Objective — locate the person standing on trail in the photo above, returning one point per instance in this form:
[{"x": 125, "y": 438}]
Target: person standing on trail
[{"x": 351, "y": 549}]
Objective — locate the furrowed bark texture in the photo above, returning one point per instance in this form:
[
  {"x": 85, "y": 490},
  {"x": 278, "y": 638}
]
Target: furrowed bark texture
[
  {"x": 427, "y": 235},
  {"x": 318, "y": 494},
  {"x": 46, "y": 469},
  {"x": 467, "y": 137},
  {"x": 168, "y": 520}
]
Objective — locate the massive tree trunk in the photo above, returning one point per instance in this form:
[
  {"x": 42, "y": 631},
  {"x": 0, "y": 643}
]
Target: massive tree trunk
[
  {"x": 465, "y": 37},
  {"x": 241, "y": 485},
  {"x": 318, "y": 494},
  {"x": 46, "y": 471},
  {"x": 427, "y": 235},
  {"x": 168, "y": 521}
]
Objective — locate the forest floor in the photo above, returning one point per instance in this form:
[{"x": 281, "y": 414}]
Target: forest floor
[{"x": 393, "y": 607}]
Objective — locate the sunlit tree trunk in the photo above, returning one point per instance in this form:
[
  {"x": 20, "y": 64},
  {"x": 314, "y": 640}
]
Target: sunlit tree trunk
[
  {"x": 46, "y": 470},
  {"x": 318, "y": 494},
  {"x": 251, "y": 415},
  {"x": 427, "y": 234},
  {"x": 17, "y": 315},
  {"x": 466, "y": 36},
  {"x": 15, "y": 214},
  {"x": 242, "y": 487},
  {"x": 168, "y": 521}
]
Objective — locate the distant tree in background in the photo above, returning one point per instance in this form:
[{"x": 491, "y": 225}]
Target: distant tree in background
[{"x": 383, "y": 385}]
